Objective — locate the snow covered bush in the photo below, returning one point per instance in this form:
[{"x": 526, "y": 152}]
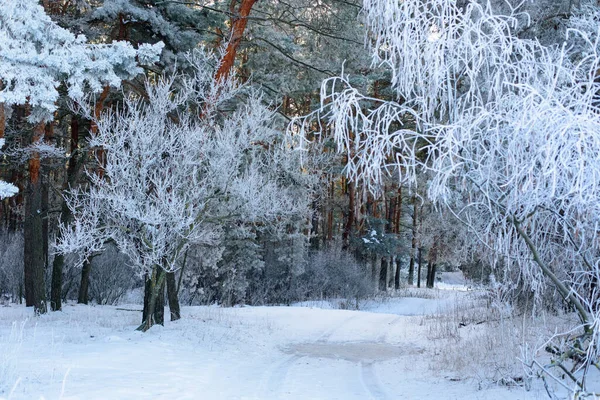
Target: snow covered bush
[
  {"x": 110, "y": 277},
  {"x": 507, "y": 128},
  {"x": 333, "y": 273}
]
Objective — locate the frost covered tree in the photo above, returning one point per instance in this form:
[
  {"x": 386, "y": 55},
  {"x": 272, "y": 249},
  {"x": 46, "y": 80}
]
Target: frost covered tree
[
  {"x": 177, "y": 169},
  {"x": 504, "y": 125},
  {"x": 38, "y": 57}
]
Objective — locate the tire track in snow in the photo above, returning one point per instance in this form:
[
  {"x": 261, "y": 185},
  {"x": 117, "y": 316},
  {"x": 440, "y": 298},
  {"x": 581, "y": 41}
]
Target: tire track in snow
[
  {"x": 371, "y": 383},
  {"x": 279, "y": 373},
  {"x": 331, "y": 331},
  {"x": 384, "y": 335}
]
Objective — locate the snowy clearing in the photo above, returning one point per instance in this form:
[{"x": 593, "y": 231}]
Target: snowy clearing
[{"x": 93, "y": 352}]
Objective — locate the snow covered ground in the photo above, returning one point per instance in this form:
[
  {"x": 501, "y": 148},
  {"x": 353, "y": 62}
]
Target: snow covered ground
[{"x": 93, "y": 352}]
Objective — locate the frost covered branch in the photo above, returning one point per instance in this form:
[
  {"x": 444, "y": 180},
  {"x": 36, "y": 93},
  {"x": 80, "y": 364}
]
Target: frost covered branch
[{"x": 507, "y": 126}]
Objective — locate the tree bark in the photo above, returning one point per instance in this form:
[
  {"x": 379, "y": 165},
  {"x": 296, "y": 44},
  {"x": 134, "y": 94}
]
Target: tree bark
[
  {"x": 35, "y": 294},
  {"x": 397, "y": 274},
  {"x": 172, "y": 297},
  {"x": 238, "y": 20},
  {"x": 566, "y": 292},
  {"x": 314, "y": 234},
  {"x": 65, "y": 217},
  {"x": 57, "y": 282},
  {"x": 35, "y": 291},
  {"x": 383, "y": 269},
  {"x": 154, "y": 300},
  {"x": 413, "y": 250},
  {"x": 351, "y": 217},
  {"x": 84, "y": 286},
  {"x": 431, "y": 270},
  {"x": 419, "y": 268},
  {"x": 389, "y": 281}
]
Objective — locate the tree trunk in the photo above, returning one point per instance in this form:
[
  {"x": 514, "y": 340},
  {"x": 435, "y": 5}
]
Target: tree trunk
[
  {"x": 35, "y": 291},
  {"x": 172, "y": 297},
  {"x": 181, "y": 271},
  {"x": 390, "y": 273},
  {"x": 239, "y": 20},
  {"x": 314, "y": 235},
  {"x": 351, "y": 217},
  {"x": 419, "y": 268},
  {"x": 383, "y": 269},
  {"x": 73, "y": 170},
  {"x": 82, "y": 298},
  {"x": 397, "y": 274},
  {"x": 431, "y": 270},
  {"x": 154, "y": 300},
  {"x": 413, "y": 249},
  {"x": 57, "y": 282}
]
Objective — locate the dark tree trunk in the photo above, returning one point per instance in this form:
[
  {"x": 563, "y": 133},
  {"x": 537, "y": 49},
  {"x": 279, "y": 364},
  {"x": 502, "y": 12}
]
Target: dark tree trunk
[
  {"x": 35, "y": 293},
  {"x": 397, "y": 274},
  {"x": 413, "y": 249},
  {"x": 419, "y": 268},
  {"x": 431, "y": 270},
  {"x": 73, "y": 171},
  {"x": 383, "y": 270},
  {"x": 84, "y": 286},
  {"x": 172, "y": 296},
  {"x": 314, "y": 236},
  {"x": 57, "y": 282},
  {"x": 33, "y": 234},
  {"x": 350, "y": 218},
  {"x": 45, "y": 227},
  {"x": 154, "y": 300},
  {"x": 428, "y": 276}
]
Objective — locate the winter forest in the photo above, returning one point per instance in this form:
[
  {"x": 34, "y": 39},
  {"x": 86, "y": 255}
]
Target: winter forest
[{"x": 299, "y": 199}]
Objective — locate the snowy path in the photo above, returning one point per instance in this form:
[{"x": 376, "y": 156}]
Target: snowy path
[{"x": 245, "y": 353}]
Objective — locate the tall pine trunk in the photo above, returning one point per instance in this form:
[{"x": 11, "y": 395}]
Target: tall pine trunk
[
  {"x": 351, "y": 216},
  {"x": 419, "y": 268},
  {"x": 383, "y": 270},
  {"x": 73, "y": 172},
  {"x": 34, "y": 259},
  {"x": 397, "y": 274},
  {"x": 413, "y": 249},
  {"x": 238, "y": 22}
]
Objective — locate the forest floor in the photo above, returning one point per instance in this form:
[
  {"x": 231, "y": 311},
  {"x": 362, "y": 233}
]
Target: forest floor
[{"x": 399, "y": 348}]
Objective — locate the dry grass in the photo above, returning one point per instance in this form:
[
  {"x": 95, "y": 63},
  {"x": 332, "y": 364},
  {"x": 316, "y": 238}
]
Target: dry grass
[{"x": 474, "y": 339}]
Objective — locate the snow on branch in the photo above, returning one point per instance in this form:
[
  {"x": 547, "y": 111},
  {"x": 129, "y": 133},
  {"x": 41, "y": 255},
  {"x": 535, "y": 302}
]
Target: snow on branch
[
  {"x": 173, "y": 177},
  {"x": 508, "y": 130},
  {"x": 38, "y": 55}
]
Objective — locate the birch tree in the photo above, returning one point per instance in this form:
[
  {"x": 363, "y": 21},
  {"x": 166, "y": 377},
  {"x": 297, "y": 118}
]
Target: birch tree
[{"x": 507, "y": 125}]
